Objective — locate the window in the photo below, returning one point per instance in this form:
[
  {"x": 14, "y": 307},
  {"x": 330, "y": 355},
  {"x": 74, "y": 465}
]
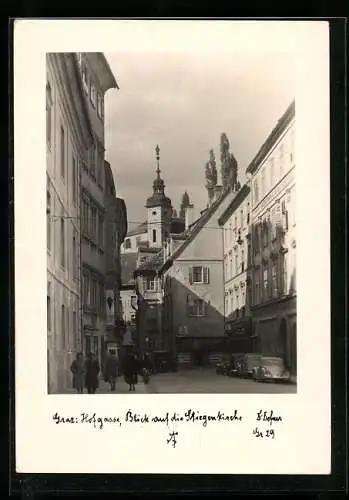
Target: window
[
  {"x": 150, "y": 285},
  {"x": 231, "y": 300},
  {"x": 68, "y": 329},
  {"x": 84, "y": 77},
  {"x": 93, "y": 223},
  {"x": 256, "y": 194},
  {"x": 292, "y": 147},
  {"x": 236, "y": 262},
  {"x": 265, "y": 282},
  {"x": 237, "y": 300},
  {"x": 75, "y": 265},
  {"x": 93, "y": 94},
  {"x": 86, "y": 289},
  {"x": 99, "y": 104},
  {"x": 92, "y": 161},
  {"x": 102, "y": 298},
  {"x": 271, "y": 170},
  {"x": 49, "y": 312},
  {"x": 284, "y": 215},
  {"x": 88, "y": 344},
  {"x": 281, "y": 153},
  {"x": 275, "y": 291},
  {"x": 257, "y": 287},
  {"x": 265, "y": 235},
  {"x": 74, "y": 181},
  {"x": 75, "y": 330},
  {"x": 48, "y": 114},
  {"x": 127, "y": 243},
  {"x": 199, "y": 274},
  {"x": 285, "y": 277},
  {"x": 196, "y": 307},
  {"x": 95, "y": 346},
  {"x": 242, "y": 260},
  {"x": 263, "y": 187},
  {"x": 154, "y": 235},
  {"x": 63, "y": 327},
  {"x": 62, "y": 241},
  {"x": 85, "y": 215},
  {"x": 62, "y": 143},
  {"x": 48, "y": 218},
  {"x": 249, "y": 256},
  {"x": 100, "y": 230}
]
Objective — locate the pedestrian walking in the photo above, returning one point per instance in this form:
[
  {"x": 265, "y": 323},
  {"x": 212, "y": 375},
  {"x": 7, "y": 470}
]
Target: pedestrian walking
[
  {"x": 111, "y": 369},
  {"x": 130, "y": 370},
  {"x": 91, "y": 375},
  {"x": 78, "y": 370}
]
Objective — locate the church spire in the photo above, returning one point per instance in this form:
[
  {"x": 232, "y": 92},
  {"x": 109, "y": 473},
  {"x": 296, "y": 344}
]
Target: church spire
[
  {"x": 157, "y": 151},
  {"x": 158, "y": 198}
]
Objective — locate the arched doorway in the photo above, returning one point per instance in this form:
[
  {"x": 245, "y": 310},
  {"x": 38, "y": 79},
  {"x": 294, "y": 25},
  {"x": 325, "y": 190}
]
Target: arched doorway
[
  {"x": 283, "y": 341},
  {"x": 293, "y": 349}
]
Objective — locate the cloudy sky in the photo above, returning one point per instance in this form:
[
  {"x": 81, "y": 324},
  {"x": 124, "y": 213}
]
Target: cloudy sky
[{"x": 183, "y": 102}]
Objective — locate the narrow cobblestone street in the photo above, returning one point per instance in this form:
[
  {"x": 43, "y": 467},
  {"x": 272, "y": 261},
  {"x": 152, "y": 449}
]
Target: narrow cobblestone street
[{"x": 196, "y": 381}]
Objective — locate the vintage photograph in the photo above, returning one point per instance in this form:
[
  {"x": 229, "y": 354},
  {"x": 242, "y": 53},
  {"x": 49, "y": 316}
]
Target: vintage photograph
[{"x": 171, "y": 223}]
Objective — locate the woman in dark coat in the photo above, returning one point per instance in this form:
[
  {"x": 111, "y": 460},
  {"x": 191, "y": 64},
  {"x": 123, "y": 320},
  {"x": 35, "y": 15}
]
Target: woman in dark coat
[
  {"x": 78, "y": 370},
  {"x": 131, "y": 371},
  {"x": 111, "y": 369},
  {"x": 92, "y": 371}
]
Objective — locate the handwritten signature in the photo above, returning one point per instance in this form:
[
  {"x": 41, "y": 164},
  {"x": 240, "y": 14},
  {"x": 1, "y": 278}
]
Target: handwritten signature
[{"x": 172, "y": 439}]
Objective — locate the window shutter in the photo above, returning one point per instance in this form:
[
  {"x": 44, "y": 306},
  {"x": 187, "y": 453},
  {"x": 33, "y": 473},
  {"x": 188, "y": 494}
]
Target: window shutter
[
  {"x": 190, "y": 275},
  {"x": 206, "y": 274}
]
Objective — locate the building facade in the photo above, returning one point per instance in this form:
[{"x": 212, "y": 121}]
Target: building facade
[
  {"x": 69, "y": 135},
  {"x": 273, "y": 242},
  {"x": 192, "y": 278},
  {"x": 97, "y": 78},
  {"x": 149, "y": 299},
  {"x": 236, "y": 223},
  {"x": 115, "y": 232}
]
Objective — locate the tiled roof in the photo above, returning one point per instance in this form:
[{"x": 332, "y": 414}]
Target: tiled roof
[
  {"x": 198, "y": 224},
  {"x": 128, "y": 265},
  {"x": 140, "y": 229},
  {"x": 153, "y": 262}
]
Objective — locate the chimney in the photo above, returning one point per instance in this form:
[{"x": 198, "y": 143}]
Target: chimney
[
  {"x": 189, "y": 215},
  {"x": 218, "y": 190}
]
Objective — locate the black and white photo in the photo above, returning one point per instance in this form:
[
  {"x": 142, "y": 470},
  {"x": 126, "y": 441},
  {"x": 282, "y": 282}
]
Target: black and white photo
[{"x": 192, "y": 272}]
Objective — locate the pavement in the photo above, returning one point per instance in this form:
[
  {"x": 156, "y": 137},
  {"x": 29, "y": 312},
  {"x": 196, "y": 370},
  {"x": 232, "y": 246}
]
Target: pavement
[
  {"x": 201, "y": 381},
  {"x": 197, "y": 381}
]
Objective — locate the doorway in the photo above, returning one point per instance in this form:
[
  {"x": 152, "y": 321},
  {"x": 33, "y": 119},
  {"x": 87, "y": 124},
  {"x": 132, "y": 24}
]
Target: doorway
[
  {"x": 293, "y": 349},
  {"x": 283, "y": 342}
]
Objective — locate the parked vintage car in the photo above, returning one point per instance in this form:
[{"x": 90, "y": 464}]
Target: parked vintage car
[
  {"x": 222, "y": 367},
  {"x": 236, "y": 365},
  {"x": 271, "y": 368},
  {"x": 250, "y": 361}
]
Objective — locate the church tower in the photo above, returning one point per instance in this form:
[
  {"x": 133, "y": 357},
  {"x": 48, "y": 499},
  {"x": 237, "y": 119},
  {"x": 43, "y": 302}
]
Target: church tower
[{"x": 159, "y": 210}]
